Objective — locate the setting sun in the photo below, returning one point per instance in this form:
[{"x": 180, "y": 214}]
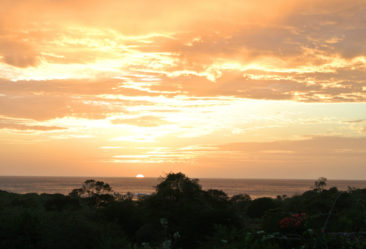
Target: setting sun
[{"x": 140, "y": 176}]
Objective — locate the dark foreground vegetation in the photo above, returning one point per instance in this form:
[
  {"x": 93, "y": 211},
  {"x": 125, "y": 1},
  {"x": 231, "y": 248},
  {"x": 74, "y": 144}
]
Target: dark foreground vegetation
[{"x": 182, "y": 215}]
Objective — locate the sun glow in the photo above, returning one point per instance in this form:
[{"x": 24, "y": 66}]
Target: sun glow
[{"x": 140, "y": 176}]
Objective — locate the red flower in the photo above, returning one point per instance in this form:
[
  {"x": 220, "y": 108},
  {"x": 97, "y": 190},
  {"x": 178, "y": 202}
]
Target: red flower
[{"x": 293, "y": 221}]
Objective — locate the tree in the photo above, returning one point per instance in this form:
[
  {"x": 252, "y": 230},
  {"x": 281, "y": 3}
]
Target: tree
[
  {"x": 319, "y": 185},
  {"x": 97, "y": 193},
  {"x": 240, "y": 201},
  {"x": 175, "y": 185},
  {"x": 189, "y": 210}
]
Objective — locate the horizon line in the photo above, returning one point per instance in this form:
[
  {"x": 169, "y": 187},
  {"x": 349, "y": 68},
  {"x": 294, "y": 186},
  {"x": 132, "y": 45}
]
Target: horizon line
[{"x": 157, "y": 177}]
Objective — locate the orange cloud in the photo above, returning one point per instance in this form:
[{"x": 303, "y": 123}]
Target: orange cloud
[
  {"x": 144, "y": 121},
  {"x": 20, "y": 126}
]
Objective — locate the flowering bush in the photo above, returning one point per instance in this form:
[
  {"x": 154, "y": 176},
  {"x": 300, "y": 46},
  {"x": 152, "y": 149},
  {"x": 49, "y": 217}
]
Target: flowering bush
[{"x": 293, "y": 221}]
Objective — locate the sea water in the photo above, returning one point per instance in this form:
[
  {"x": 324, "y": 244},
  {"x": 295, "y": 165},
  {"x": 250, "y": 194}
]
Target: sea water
[{"x": 253, "y": 187}]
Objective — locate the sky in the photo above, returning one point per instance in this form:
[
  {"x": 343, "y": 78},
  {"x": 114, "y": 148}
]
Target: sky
[{"x": 210, "y": 88}]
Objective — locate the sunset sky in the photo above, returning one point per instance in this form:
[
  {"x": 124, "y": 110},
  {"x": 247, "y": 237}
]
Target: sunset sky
[{"x": 211, "y": 88}]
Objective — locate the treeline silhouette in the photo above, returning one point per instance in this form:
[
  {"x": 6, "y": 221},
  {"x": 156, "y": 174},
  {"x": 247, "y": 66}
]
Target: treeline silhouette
[{"x": 179, "y": 214}]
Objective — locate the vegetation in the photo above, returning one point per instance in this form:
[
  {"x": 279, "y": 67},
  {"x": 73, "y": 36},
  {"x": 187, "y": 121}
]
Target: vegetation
[{"x": 182, "y": 215}]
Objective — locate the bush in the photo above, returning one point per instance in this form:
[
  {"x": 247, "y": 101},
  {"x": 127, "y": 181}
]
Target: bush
[{"x": 259, "y": 206}]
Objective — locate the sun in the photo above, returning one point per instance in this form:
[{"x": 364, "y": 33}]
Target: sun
[{"x": 140, "y": 176}]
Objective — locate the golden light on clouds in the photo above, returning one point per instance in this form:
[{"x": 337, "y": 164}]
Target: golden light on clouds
[{"x": 210, "y": 88}]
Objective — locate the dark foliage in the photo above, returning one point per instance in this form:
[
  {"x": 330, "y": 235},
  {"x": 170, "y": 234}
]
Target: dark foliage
[
  {"x": 182, "y": 215},
  {"x": 259, "y": 206}
]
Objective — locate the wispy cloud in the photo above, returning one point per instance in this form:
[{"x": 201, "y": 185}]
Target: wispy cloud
[{"x": 25, "y": 125}]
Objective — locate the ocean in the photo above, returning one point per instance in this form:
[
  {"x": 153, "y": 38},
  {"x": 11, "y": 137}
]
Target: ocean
[{"x": 253, "y": 187}]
